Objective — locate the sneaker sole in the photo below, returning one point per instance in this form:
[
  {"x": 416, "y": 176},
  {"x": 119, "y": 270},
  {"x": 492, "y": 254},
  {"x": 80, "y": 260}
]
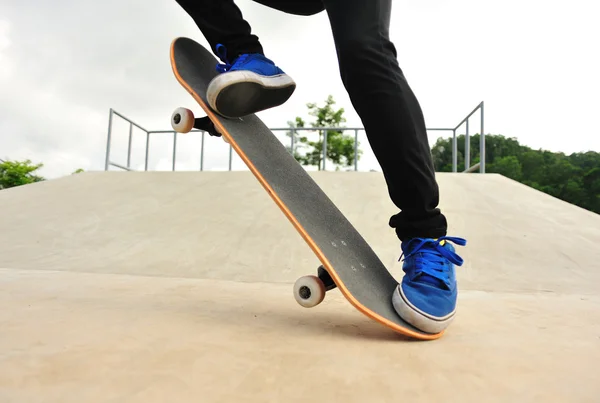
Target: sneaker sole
[
  {"x": 418, "y": 318},
  {"x": 244, "y": 93}
]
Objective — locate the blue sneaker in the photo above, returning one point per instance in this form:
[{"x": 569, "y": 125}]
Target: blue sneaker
[
  {"x": 250, "y": 84},
  {"x": 426, "y": 297}
]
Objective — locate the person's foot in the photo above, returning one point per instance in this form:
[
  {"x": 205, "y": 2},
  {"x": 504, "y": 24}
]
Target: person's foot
[
  {"x": 248, "y": 84},
  {"x": 426, "y": 297}
]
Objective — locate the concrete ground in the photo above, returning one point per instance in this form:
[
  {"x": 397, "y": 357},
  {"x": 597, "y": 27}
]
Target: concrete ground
[{"x": 140, "y": 287}]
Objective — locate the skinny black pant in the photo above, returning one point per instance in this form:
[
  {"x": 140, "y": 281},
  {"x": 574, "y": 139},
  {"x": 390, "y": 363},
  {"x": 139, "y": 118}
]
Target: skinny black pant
[{"x": 378, "y": 90}]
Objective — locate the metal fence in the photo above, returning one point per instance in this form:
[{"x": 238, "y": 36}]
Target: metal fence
[
  {"x": 294, "y": 131},
  {"x": 465, "y": 121}
]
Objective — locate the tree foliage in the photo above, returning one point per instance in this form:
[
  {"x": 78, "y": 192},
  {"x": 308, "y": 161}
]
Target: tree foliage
[
  {"x": 339, "y": 146},
  {"x": 17, "y": 173},
  {"x": 573, "y": 178}
]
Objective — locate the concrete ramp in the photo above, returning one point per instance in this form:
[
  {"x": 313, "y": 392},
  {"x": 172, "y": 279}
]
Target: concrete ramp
[{"x": 129, "y": 286}]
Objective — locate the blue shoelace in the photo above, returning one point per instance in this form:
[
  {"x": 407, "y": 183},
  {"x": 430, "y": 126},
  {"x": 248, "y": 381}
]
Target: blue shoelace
[
  {"x": 222, "y": 53},
  {"x": 429, "y": 256}
]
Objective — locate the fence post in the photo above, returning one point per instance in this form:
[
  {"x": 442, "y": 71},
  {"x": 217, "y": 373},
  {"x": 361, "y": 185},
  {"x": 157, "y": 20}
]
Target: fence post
[
  {"x": 129, "y": 146},
  {"x": 454, "y": 152},
  {"x": 355, "y": 150},
  {"x": 106, "y": 162},
  {"x": 324, "y": 148},
  {"x": 482, "y": 145},
  {"x": 174, "y": 149},
  {"x": 202, "y": 153},
  {"x": 467, "y": 146},
  {"x": 292, "y": 144},
  {"x": 147, "y": 150}
]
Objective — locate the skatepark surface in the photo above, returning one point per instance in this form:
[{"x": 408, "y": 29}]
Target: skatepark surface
[{"x": 149, "y": 286}]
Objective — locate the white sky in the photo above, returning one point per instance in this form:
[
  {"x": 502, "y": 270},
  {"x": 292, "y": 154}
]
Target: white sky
[{"x": 64, "y": 63}]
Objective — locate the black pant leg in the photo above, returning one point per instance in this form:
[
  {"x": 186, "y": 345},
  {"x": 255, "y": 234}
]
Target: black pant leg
[
  {"x": 390, "y": 113},
  {"x": 296, "y": 7},
  {"x": 221, "y": 21}
]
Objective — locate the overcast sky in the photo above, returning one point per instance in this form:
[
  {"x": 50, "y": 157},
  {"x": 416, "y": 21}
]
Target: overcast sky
[{"x": 64, "y": 63}]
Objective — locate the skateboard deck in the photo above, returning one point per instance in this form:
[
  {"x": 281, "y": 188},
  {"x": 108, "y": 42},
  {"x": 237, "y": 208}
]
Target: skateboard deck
[{"x": 353, "y": 266}]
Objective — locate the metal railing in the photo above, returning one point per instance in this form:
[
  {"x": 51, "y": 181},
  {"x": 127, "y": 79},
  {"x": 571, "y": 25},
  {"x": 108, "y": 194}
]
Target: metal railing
[
  {"x": 481, "y": 164},
  {"x": 293, "y": 131}
]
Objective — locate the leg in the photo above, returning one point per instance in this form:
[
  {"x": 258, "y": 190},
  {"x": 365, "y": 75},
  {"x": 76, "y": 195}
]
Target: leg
[
  {"x": 395, "y": 129},
  {"x": 390, "y": 113}
]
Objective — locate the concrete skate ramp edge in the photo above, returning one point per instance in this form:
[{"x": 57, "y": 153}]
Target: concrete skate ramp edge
[{"x": 144, "y": 286}]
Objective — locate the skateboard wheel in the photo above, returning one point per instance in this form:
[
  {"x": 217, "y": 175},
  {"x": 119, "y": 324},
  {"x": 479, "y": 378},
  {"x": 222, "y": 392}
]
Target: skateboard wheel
[
  {"x": 309, "y": 291},
  {"x": 182, "y": 120}
]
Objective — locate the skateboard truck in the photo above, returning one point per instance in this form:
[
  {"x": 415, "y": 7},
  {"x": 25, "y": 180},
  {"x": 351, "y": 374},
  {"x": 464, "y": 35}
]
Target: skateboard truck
[
  {"x": 325, "y": 278},
  {"x": 207, "y": 125},
  {"x": 183, "y": 121}
]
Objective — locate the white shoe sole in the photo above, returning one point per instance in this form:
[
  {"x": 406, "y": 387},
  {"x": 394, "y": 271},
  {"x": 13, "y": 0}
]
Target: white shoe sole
[{"x": 240, "y": 93}]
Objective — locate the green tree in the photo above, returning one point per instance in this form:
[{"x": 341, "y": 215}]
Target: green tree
[
  {"x": 441, "y": 152},
  {"x": 574, "y": 178},
  {"x": 508, "y": 166},
  {"x": 591, "y": 183},
  {"x": 17, "y": 173},
  {"x": 340, "y": 147},
  {"x": 532, "y": 162},
  {"x": 586, "y": 161}
]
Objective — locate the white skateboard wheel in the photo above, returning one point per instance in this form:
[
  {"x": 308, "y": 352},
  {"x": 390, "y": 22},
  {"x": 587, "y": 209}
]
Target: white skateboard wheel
[
  {"x": 309, "y": 291},
  {"x": 182, "y": 120}
]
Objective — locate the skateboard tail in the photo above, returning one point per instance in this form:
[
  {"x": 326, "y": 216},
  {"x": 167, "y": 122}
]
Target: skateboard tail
[{"x": 216, "y": 121}]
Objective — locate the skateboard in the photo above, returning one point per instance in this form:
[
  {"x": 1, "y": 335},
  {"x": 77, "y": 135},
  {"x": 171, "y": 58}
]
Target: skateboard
[{"x": 347, "y": 262}]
